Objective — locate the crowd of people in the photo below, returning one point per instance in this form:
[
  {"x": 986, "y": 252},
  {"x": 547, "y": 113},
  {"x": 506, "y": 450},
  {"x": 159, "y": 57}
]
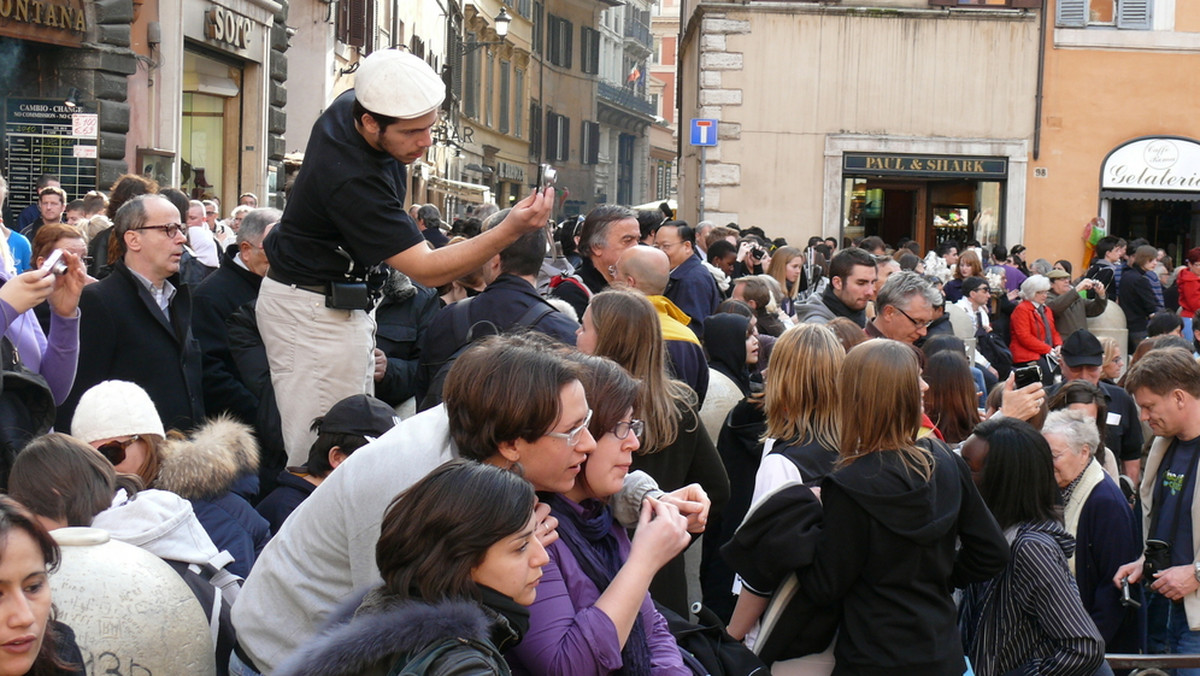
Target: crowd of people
[{"x": 408, "y": 447}]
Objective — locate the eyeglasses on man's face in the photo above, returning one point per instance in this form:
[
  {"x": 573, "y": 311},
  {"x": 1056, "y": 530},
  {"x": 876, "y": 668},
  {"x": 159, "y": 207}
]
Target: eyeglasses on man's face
[
  {"x": 169, "y": 229},
  {"x": 919, "y": 325}
]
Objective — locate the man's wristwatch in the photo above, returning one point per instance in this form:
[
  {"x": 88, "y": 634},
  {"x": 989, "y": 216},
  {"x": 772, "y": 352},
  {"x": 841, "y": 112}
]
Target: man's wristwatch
[{"x": 1196, "y": 570}]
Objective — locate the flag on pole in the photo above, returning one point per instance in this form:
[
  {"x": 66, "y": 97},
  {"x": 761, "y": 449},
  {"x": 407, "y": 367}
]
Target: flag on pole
[{"x": 634, "y": 74}]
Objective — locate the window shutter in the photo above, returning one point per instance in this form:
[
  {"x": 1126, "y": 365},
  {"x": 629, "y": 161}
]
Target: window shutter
[
  {"x": 356, "y": 12},
  {"x": 1071, "y": 13},
  {"x": 1134, "y": 14},
  {"x": 595, "y": 46},
  {"x": 591, "y": 142},
  {"x": 564, "y": 148},
  {"x": 569, "y": 38},
  {"x": 551, "y": 136},
  {"x": 535, "y": 129}
]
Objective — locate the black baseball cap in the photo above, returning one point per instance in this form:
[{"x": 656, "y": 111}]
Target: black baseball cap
[
  {"x": 1082, "y": 349},
  {"x": 361, "y": 415},
  {"x": 971, "y": 284}
]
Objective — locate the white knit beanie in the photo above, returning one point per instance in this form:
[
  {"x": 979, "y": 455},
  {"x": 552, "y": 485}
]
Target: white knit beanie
[{"x": 115, "y": 408}]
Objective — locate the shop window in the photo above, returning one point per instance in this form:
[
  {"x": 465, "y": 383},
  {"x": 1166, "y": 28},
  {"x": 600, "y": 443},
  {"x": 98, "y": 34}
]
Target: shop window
[{"x": 1124, "y": 14}]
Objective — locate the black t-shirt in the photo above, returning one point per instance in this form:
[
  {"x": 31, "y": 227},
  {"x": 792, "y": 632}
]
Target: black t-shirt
[
  {"x": 345, "y": 212},
  {"x": 1174, "y": 492}
]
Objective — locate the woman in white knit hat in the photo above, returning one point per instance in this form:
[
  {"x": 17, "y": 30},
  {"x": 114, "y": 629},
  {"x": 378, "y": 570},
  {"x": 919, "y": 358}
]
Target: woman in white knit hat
[{"x": 120, "y": 420}]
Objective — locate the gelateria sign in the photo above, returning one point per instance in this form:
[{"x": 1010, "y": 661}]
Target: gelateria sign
[
  {"x": 1159, "y": 163},
  {"x": 58, "y": 22}
]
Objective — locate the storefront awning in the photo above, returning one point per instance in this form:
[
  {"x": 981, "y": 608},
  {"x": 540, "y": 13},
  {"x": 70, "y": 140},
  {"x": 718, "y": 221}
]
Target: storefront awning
[
  {"x": 1161, "y": 196},
  {"x": 471, "y": 192}
]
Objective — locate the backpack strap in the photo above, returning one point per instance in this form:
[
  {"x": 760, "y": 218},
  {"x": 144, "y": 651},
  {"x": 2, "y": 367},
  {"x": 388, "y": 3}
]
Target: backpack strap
[{"x": 535, "y": 314}]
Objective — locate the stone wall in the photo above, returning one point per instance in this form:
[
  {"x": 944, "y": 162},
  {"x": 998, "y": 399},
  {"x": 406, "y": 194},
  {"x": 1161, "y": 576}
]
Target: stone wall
[{"x": 716, "y": 59}]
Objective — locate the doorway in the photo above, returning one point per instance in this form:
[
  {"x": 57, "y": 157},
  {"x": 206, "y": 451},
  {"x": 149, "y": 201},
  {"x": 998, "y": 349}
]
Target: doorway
[{"x": 1166, "y": 224}]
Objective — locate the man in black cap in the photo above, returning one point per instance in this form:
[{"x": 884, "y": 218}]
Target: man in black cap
[
  {"x": 429, "y": 220},
  {"x": 351, "y": 424},
  {"x": 1082, "y": 355}
]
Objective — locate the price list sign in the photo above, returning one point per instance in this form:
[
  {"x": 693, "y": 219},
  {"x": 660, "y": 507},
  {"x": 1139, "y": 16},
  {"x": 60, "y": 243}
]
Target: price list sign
[{"x": 48, "y": 137}]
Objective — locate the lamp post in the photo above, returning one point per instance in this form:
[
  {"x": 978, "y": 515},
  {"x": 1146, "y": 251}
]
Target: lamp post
[{"x": 502, "y": 21}]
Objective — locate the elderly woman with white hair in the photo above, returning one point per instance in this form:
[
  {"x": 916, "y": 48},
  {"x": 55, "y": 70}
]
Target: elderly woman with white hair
[
  {"x": 1096, "y": 513},
  {"x": 1033, "y": 338}
]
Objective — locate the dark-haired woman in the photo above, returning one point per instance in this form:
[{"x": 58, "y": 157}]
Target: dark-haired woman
[
  {"x": 33, "y": 642},
  {"x": 460, "y": 564},
  {"x": 952, "y": 400},
  {"x": 1029, "y": 619},
  {"x": 903, "y": 525},
  {"x": 594, "y": 614}
]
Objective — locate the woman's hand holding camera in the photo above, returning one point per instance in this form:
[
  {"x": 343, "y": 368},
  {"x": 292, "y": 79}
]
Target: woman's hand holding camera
[{"x": 661, "y": 534}]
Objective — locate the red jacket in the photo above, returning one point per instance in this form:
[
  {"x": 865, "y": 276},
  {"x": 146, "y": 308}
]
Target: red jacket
[
  {"x": 1189, "y": 291},
  {"x": 1029, "y": 334}
]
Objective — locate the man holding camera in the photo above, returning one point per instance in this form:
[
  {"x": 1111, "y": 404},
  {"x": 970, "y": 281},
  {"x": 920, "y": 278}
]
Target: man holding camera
[
  {"x": 345, "y": 218},
  {"x": 1166, "y": 385},
  {"x": 1068, "y": 305}
]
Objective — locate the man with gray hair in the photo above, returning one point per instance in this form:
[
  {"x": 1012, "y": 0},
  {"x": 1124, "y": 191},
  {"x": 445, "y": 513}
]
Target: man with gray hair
[
  {"x": 607, "y": 232},
  {"x": 233, "y": 285},
  {"x": 903, "y": 308},
  {"x": 429, "y": 220}
]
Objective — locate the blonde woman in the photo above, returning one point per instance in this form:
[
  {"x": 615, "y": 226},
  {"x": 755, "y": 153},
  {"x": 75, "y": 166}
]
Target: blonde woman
[
  {"x": 787, "y": 268},
  {"x": 802, "y": 431}
]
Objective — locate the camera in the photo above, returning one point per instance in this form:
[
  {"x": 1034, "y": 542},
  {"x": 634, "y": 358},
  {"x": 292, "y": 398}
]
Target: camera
[
  {"x": 549, "y": 176},
  {"x": 1027, "y": 375},
  {"x": 757, "y": 253},
  {"x": 54, "y": 263},
  {"x": 1158, "y": 558}
]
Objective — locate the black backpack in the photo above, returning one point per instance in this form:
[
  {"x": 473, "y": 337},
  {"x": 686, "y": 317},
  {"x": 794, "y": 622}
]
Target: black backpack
[
  {"x": 467, "y": 334},
  {"x": 26, "y": 407}
]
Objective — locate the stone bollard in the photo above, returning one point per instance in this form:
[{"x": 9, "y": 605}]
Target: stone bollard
[
  {"x": 132, "y": 614},
  {"x": 1111, "y": 323}
]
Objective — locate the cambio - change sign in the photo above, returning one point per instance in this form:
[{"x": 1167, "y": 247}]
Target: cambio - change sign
[{"x": 1153, "y": 164}]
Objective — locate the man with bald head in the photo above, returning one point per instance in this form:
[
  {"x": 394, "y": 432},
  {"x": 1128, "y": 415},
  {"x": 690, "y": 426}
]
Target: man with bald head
[{"x": 648, "y": 270}]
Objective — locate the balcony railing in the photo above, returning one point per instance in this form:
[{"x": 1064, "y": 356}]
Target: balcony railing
[
  {"x": 638, "y": 32},
  {"x": 626, "y": 98}
]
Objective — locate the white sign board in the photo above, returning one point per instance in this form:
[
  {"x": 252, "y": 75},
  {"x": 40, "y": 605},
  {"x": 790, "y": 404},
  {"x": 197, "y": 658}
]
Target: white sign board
[{"x": 1153, "y": 164}]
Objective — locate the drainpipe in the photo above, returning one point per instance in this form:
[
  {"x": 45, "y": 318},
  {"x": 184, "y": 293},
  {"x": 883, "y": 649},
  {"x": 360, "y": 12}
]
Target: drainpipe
[{"x": 1041, "y": 83}]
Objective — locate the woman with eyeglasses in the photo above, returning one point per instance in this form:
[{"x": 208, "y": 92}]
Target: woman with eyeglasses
[
  {"x": 676, "y": 450},
  {"x": 593, "y": 613},
  {"x": 120, "y": 420}
]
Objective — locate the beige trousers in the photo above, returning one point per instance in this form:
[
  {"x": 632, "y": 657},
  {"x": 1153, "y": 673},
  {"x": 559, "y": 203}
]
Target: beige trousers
[{"x": 318, "y": 356}]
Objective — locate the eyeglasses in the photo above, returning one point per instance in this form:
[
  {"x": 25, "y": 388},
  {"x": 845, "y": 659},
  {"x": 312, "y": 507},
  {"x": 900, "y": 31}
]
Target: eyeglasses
[
  {"x": 170, "y": 229},
  {"x": 572, "y": 436},
  {"x": 623, "y": 428},
  {"x": 919, "y": 325},
  {"x": 114, "y": 451}
]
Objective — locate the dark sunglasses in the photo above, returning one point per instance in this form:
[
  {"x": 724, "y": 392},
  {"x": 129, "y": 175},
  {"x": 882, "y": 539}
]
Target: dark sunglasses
[{"x": 114, "y": 451}]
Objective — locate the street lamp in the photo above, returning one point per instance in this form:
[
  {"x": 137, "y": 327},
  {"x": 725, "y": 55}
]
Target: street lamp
[{"x": 502, "y": 21}]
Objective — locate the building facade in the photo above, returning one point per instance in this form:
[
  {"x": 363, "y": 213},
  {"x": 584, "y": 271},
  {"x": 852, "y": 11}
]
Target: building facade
[
  {"x": 1117, "y": 136},
  {"x": 901, "y": 119}
]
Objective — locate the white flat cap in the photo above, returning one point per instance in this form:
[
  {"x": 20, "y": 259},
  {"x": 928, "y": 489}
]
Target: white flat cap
[{"x": 398, "y": 84}]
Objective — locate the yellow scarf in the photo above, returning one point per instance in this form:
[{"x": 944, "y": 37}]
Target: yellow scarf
[{"x": 674, "y": 321}]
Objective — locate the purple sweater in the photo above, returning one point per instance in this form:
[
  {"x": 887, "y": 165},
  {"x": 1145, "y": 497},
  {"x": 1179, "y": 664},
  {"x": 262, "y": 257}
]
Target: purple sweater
[
  {"x": 55, "y": 359},
  {"x": 569, "y": 636}
]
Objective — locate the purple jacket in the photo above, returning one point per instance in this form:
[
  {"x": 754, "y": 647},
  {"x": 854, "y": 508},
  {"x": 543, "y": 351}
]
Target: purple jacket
[
  {"x": 569, "y": 636},
  {"x": 56, "y": 359}
]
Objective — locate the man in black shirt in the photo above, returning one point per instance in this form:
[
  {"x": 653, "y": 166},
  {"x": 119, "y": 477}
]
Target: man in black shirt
[{"x": 345, "y": 217}]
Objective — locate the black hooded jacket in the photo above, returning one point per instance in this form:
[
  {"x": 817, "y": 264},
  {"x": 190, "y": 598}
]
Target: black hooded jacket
[
  {"x": 725, "y": 340},
  {"x": 887, "y": 553}
]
